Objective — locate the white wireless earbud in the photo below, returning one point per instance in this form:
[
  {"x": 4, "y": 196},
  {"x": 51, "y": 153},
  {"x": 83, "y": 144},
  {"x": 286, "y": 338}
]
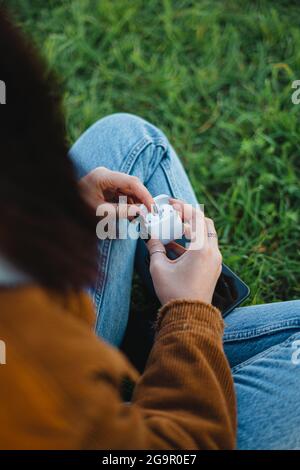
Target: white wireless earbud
[{"x": 165, "y": 225}]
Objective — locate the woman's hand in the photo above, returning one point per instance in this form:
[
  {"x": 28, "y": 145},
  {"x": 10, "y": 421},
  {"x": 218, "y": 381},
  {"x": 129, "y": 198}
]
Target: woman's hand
[
  {"x": 105, "y": 186},
  {"x": 195, "y": 273}
]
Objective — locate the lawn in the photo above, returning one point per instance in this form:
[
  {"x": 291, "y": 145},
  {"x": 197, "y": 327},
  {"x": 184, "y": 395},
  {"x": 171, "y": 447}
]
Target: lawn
[{"x": 216, "y": 77}]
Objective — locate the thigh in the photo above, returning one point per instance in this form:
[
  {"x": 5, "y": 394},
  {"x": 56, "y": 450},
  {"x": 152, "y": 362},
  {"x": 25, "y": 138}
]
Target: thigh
[
  {"x": 261, "y": 343},
  {"x": 251, "y": 330},
  {"x": 268, "y": 400}
]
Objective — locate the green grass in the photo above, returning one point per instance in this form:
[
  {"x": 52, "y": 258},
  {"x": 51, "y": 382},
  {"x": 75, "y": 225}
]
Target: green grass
[{"x": 216, "y": 77}]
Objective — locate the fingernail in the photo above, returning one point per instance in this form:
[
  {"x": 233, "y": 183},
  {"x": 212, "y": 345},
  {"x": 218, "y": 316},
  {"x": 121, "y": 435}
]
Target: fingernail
[
  {"x": 176, "y": 206},
  {"x": 154, "y": 209}
]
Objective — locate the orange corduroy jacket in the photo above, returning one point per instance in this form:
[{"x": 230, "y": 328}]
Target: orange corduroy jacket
[{"x": 60, "y": 387}]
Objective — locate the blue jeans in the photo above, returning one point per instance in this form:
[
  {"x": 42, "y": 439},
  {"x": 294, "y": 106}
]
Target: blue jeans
[{"x": 259, "y": 341}]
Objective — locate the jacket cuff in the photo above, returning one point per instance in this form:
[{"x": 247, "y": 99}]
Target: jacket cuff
[{"x": 185, "y": 314}]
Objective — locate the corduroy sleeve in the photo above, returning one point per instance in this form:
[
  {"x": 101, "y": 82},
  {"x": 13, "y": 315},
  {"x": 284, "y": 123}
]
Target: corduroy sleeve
[{"x": 186, "y": 392}]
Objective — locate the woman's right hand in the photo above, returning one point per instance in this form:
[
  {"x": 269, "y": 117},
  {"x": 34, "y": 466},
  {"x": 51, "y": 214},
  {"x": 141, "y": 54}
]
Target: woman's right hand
[{"x": 192, "y": 276}]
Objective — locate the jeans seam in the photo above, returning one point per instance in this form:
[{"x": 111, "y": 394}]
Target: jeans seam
[
  {"x": 170, "y": 178},
  {"x": 263, "y": 354},
  {"x": 136, "y": 151},
  {"x": 255, "y": 332}
]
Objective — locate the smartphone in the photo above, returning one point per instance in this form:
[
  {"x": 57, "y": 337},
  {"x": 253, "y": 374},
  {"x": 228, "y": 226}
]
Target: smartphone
[{"x": 230, "y": 290}]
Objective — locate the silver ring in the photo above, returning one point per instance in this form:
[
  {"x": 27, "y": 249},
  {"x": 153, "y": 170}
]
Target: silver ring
[
  {"x": 158, "y": 251},
  {"x": 212, "y": 235}
]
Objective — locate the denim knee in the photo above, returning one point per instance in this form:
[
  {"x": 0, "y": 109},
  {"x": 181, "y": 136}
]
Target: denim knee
[
  {"x": 117, "y": 141},
  {"x": 132, "y": 127}
]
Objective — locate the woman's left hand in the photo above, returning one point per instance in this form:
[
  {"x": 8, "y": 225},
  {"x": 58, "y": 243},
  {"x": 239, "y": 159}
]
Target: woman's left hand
[{"x": 106, "y": 186}]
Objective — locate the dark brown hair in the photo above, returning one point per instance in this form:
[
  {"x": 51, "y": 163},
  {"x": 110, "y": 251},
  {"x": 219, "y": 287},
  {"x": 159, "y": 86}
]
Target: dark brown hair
[{"x": 46, "y": 229}]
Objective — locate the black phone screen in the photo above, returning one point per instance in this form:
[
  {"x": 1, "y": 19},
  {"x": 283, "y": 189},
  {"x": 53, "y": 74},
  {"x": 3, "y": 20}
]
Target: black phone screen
[{"x": 230, "y": 291}]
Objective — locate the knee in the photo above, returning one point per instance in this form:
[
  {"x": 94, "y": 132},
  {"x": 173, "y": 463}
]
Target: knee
[
  {"x": 295, "y": 304},
  {"x": 115, "y": 141},
  {"x": 122, "y": 120},
  {"x": 130, "y": 127}
]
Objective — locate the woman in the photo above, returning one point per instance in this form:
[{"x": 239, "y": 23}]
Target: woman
[{"x": 62, "y": 386}]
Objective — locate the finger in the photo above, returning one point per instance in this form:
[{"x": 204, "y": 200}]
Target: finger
[
  {"x": 187, "y": 230},
  {"x": 142, "y": 194},
  {"x": 118, "y": 211},
  {"x": 131, "y": 186},
  {"x": 130, "y": 200},
  {"x": 185, "y": 210},
  {"x": 194, "y": 226},
  {"x": 212, "y": 236},
  {"x": 156, "y": 249},
  {"x": 127, "y": 211},
  {"x": 196, "y": 230}
]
